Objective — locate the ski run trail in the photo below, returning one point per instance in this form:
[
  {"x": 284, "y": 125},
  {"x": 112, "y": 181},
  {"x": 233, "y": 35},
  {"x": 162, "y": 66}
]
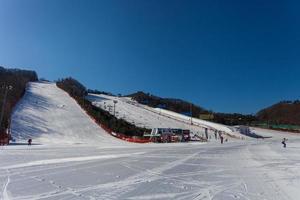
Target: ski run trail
[{"x": 73, "y": 158}]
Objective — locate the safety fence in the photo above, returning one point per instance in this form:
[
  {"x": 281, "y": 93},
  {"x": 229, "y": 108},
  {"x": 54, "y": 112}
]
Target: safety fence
[
  {"x": 121, "y": 136},
  {"x": 134, "y": 139}
]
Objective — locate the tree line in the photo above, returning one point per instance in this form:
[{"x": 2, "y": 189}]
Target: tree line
[
  {"x": 187, "y": 108},
  {"x": 175, "y": 105},
  {"x": 12, "y": 81},
  {"x": 284, "y": 112}
]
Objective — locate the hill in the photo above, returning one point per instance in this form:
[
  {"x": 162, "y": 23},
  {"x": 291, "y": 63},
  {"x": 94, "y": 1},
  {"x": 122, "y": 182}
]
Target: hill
[
  {"x": 284, "y": 112},
  {"x": 175, "y": 105},
  {"x": 187, "y": 108},
  {"x": 49, "y": 115},
  {"x": 76, "y": 90}
]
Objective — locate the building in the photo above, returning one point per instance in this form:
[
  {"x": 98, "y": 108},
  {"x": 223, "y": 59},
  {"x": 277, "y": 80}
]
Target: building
[
  {"x": 209, "y": 116},
  {"x": 165, "y": 135},
  {"x": 245, "y": 130}
]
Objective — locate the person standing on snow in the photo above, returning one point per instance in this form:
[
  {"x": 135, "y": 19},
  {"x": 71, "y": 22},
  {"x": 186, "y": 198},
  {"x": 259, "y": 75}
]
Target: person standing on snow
[
  {"x": 216, "y": 137},
  {"x": 222, "y": 139},
  {"x": 29, "y": 141},
  {"x": 206, "y": 133},
  {"x": 284, "y": 142}
]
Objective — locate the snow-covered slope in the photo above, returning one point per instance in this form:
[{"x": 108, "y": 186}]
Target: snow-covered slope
[
  {"x": 274, "y": 134},
  {"x": 145, "y": 116},
  {"x": 238, "y": 169},
  {"x": 195, "y": 121},
  {"x": 47, "y": 114}
]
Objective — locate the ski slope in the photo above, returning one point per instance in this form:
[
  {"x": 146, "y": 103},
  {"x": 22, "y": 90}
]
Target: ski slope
[
  {"x": 148, "y": 117},
  {"x": 49, "y": 115},
  {"x": 236, "y": 170},
  {"x": 77, "y": 160}
]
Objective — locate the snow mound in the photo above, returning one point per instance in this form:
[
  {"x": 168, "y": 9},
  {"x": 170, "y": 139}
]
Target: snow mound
[{"x": 49, "y": 115}]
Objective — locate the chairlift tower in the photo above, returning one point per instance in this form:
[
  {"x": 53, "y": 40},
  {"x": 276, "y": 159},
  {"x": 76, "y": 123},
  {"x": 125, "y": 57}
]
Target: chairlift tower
[
  {"x": 115, "y": 102},
  {"x": 191, "y": 112}
]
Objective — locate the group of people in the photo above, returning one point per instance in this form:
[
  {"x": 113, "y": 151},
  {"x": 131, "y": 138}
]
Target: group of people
[
  {"x": 221, "y": 136},
  {"x": 284, "y": 140}
]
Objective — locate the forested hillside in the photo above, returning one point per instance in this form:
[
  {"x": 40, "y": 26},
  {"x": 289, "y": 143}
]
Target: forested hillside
[
  {"x": 285, "y": 112},
  {"x": 187, "y": 108},
  {"x": 176, "y": 105},
  {"x": 13, "y": 83},
  {"x": 233, "y": 119}
]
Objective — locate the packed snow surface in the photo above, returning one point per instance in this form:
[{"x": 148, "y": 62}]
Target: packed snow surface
[
  {"x": 248, "y": 169},
  {"x": 72, "y": 158}
]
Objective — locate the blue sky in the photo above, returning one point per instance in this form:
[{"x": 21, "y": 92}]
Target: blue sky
[{"x": 228, "y": 56}]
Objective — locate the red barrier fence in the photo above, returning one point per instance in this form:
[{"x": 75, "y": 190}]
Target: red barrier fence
[
  {"x": 125, "y": 137},
  {"x": 119, "y": 135}
]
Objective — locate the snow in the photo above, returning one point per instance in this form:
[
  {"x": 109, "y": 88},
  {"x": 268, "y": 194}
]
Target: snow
[
  {"x": 256, "y": 169},
  {"x": 148, "y": 117},
  {"x": 64, "y": 160},
  {"x": 104, "y": 168},
  {"x": 48, "y": 115}
]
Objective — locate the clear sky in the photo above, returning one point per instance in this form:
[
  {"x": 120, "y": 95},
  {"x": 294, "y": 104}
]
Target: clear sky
[{"x": 228, "y": 56}]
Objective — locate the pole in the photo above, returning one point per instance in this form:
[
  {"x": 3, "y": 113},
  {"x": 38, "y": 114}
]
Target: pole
[
  {"x": 115, "y": 101},
  {"x": 114, "y": 109},
  {"x": 191, "y": 112}
]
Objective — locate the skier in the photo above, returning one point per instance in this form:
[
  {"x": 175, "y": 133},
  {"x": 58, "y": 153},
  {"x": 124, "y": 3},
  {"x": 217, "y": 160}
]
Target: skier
[
  {"x": 284, "y": 142},
  {"x": 216, "y": 137},
  {"x": 29, "y": 141},
  {"x": 220, "y": 133},
  {"x": 206, "y": 133}
]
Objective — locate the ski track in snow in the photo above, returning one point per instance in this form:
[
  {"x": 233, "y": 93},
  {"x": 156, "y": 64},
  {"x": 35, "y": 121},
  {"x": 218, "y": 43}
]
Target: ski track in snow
[
  {"x": 78, "y": 160},
  {"x": 5, "y": 192},
  {"x": 237, "y": 170},
  {"x": 64, "y": 160}
]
